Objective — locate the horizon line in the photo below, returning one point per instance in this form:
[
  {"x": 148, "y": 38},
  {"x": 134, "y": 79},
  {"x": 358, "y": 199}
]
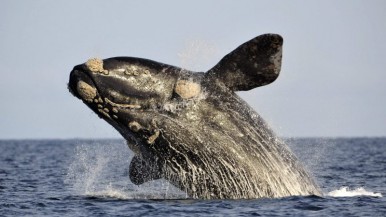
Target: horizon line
[{"x": 121, "y": 138}]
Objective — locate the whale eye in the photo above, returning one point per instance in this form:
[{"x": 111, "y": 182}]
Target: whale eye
[{"x": 187, "y": 89}]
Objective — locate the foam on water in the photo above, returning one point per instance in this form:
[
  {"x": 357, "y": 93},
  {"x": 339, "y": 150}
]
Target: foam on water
[
  {"x": 110, "y": 192},
  {"x": 142, "y": 192},
  {"x": 347, "y": 192}
]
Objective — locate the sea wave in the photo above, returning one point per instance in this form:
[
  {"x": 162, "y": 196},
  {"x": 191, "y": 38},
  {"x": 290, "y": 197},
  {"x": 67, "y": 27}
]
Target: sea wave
[{"x": 347, "y": 192}]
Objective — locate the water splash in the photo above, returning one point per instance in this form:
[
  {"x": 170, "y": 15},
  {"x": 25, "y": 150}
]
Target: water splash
[
  {"x": 197, "y": 55},
  {"x": 347, "y": 192},
  {"x": 93, "y": 168},
  {"x": 110, "y": 192},
  {"x": 313, "y": 153},
  {"x": 101, "y": 170}
]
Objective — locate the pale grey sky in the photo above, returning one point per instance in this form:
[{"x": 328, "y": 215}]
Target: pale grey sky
[{"x": 332, "y": 83}]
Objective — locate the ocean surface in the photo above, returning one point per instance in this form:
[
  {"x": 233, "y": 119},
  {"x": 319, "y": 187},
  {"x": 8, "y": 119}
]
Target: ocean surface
[{"x": 90, "y": 178}]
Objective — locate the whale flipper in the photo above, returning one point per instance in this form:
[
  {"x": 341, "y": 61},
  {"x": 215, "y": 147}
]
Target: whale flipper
[
  {"x": 255, "y": 63},
  {"x": 142, "y": 171}
]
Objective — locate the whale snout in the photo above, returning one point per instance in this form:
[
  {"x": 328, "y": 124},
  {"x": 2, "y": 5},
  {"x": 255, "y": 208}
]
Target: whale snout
[
  {"x": 122, "y": 81},
  {"x": 81, "y": 85}
]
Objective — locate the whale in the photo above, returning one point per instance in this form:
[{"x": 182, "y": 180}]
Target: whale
[{"x": 191, "y": 128}]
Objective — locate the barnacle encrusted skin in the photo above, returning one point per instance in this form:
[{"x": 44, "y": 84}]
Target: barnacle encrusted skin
[
  {"x": 96, "y": 65},
  {"x": 187, "y": 89},
  {"x": 86, "y": 91},
  {"x": 135, "y": 126}
]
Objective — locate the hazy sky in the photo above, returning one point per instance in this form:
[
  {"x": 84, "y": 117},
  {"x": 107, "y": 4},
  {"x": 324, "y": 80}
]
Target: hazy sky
[{"x": 332, "y": 83}]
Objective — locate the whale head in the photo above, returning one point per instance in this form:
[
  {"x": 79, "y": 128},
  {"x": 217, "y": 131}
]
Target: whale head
[{"x": 130, "y": 92}]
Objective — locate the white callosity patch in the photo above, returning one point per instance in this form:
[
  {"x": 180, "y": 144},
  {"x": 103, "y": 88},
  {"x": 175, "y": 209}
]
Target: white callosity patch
[
  {"x": 134, "y": 70},
  {"x": 118, "y": 105},
  {"x": 96, "y": 65},
  {"x": 187, "y": 89},
  {"x": 153, "y": 137},
  {"x": 135, "y": 126},
  {"x": 103, "y": 112},
  {"x": 175, "y": 106},
  {"x": 86, "y": 91}
]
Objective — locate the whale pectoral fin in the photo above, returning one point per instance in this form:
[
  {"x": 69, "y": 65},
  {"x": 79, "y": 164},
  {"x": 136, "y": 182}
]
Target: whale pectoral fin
[
  {"x": 141, "y": 171},
  {"x": 254, "y": 63}
]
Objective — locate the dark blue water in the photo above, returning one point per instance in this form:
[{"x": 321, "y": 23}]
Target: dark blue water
[{"x": 89, "y": 178}]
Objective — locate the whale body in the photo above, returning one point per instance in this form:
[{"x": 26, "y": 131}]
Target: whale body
[{"x": 191, "y": 128}]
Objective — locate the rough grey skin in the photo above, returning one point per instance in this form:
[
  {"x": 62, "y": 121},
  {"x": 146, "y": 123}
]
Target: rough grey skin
[{"x": 191, "y": 128}]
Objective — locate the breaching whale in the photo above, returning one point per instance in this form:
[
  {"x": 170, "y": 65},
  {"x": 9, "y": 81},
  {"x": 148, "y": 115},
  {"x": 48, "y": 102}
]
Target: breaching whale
[{"x": 191, "y": 128}]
